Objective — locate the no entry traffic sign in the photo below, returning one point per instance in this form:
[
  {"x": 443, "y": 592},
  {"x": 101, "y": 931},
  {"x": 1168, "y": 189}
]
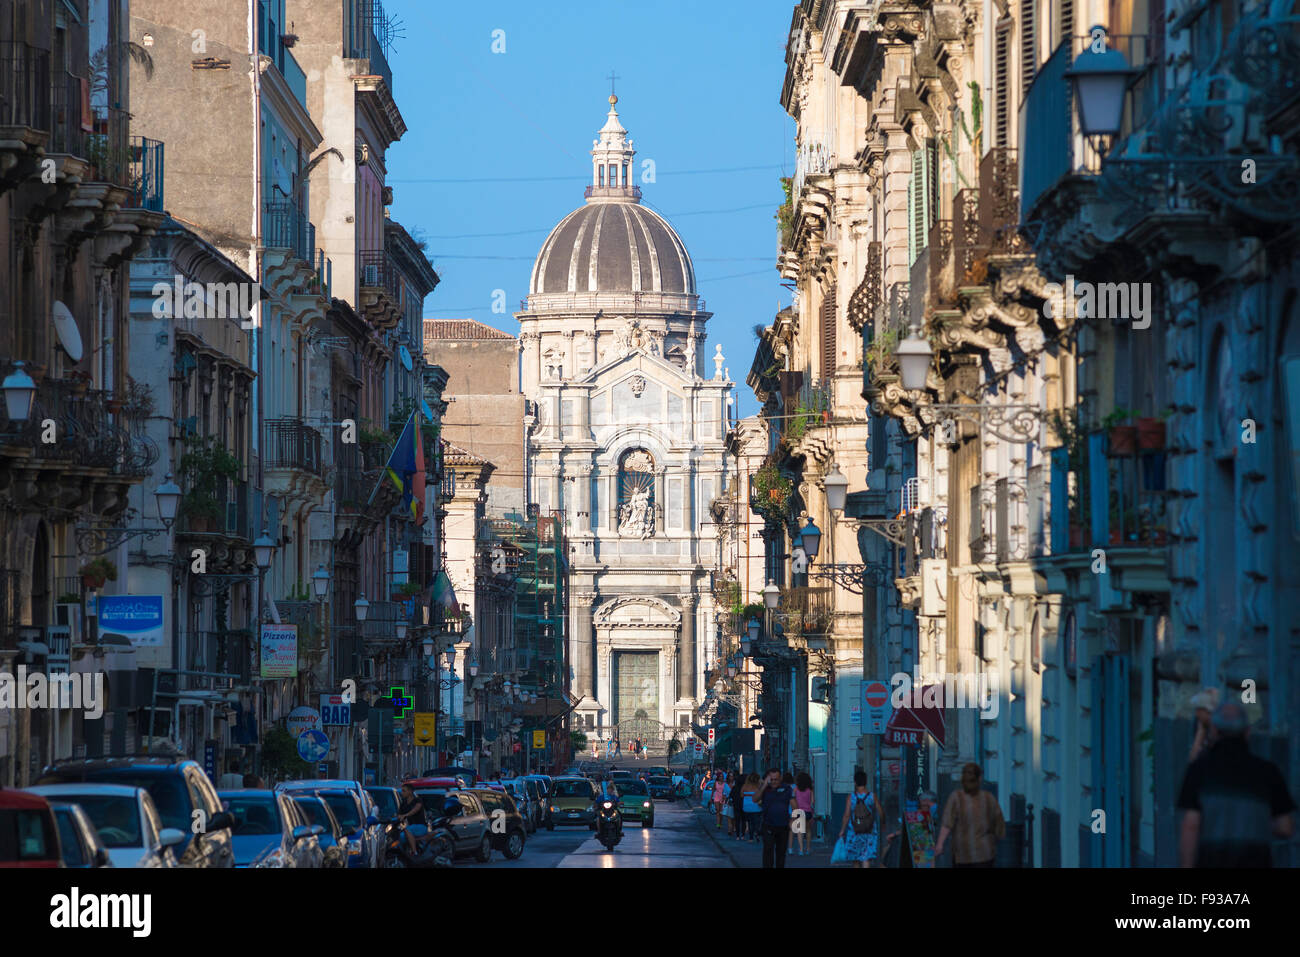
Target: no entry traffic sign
[{"x": 875, "y": 706}]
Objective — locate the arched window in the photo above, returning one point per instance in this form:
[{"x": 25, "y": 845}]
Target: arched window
[{"x": 636, "y": 493}]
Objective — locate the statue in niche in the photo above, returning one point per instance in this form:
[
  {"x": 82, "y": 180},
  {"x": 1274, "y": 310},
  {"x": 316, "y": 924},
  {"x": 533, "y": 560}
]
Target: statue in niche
[{"x": 636, "y": 512}]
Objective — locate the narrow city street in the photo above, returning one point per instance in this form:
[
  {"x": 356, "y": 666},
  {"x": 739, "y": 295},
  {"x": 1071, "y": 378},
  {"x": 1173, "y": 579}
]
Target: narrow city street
[{"x": 677, "y": 840}]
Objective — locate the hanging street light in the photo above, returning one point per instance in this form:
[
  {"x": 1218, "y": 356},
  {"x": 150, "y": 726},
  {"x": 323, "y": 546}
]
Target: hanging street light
[
  {"x": 263, "y": 548},
  {"x": 19, "y": 390},
  {"x": 168, "y": 497},
  {"x": 837, "y": 488},
  {"x": 362, "y": 606},
  {"x": 811, "y": 538},
  {"x": 771, "y": 595},
  {"x": 320, "y": 581},
  {"x": 914, "y": 355},
  {"x": 1100, "y": 77}
]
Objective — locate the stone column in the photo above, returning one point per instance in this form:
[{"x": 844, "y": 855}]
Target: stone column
[
  {"x": 582, "y": 649},
  {"x": 686, "y": 656},
  {"x": 582, "y": 499}
]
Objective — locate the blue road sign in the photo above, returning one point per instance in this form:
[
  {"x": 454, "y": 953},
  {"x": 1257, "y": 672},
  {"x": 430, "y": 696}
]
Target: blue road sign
[{"x": 313, "y": 745}]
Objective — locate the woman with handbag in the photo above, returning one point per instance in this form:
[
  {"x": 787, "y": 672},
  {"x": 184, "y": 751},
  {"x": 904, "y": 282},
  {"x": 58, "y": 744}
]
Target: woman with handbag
[{"x": 751, "y": 811}]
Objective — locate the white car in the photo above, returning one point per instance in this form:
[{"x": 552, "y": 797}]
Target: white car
[{"x": 127, "y": 821}]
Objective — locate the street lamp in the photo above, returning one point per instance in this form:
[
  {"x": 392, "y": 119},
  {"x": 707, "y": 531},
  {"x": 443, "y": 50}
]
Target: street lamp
[
  {"x": 745, "y": 645},
  {"x": 362, "y": 606},
  {"x": 731, "y": 669},
  {"x": 473, "y": 668},
  {"x": 449, "y": 656},
  {"x": 401, "y": 629},
  {"x": 914, "y": 355},
  {"x": 1100, "y": 77},
  {"x": 19, "y": 390},
  {"x": 263, "y": 548},
  {"x": 168, "y": 497},
  {"x": 837, "y": 488},
  {"x": 771, "y": 596},
  {"x": 753, "y": 628},
  {"x": 320, "y": 581},
  {"x": 811, "y": 539}
]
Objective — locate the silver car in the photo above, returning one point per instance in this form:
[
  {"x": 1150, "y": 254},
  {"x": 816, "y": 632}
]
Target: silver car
[{"x": 126, "y": 820}]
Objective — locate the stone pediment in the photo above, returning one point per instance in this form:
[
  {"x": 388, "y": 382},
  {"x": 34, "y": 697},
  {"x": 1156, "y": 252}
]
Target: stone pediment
[
  {"x": 636, "y": 611},
  {"x": 615, "y": 369}
]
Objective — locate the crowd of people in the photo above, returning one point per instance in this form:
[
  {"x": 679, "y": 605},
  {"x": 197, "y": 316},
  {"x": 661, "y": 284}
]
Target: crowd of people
[{"x": 1233, "y": 805}]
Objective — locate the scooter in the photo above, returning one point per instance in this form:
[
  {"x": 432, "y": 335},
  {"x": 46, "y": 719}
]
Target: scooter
[
  {"x": 609, "y": 824},
  {"x": 435, "y": 848}
]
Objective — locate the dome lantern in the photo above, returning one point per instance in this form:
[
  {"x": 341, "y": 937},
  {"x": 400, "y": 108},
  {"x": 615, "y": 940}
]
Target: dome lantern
[{"x": 611, "y": 161}]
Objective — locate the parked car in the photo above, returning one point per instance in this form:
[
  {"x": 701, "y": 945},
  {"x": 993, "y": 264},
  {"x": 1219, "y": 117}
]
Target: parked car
[
  {"x": 469, "y": 774},
  {"x": 29, "y": 836},
  {"x": 545, "y": 785},
  {"x": 635, "y": 803},
  {"x": 270, "y": 830},
  {"x": 179, "y": 787},
  {"x": 661, "y": 788},
  {"x": 386, "y": 801},
  {"x": 333, "y": 840},
  {"x": 507, "y": 829},
  {"x": 78, "y": 838},
  {"x": 128, "y": 822},
  {"x": 355, "y": 810},
  {"x": 574, "y": 801},
  {"x": 658, "y": 772},
  {"x": 528, "y": 800}
]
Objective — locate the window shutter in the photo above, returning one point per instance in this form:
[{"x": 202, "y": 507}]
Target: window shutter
[
  {"x": 1028, "y": 42},
  {"x": 830, "y": 354},
  {"x": 932, "y": 184},
  {"x": 1066, "y": 20},
  {"x": 1002, "y": 83},
  {"x": 918, "y": 205}
]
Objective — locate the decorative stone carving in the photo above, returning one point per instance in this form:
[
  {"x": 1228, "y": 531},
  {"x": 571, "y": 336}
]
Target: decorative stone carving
[{"x": 638, "y": 385}]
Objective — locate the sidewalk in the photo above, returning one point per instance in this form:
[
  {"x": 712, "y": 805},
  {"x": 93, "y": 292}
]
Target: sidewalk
[{"x": 746, "y": 854}]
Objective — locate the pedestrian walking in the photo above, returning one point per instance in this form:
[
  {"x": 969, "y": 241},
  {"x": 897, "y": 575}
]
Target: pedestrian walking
[
  {"x": 750, "y": 808},
  {"x": 974, "y": 821},
  {"x": 1233, "y": 802},
  {"x": 776, "y": 801},
  {"x": 706, "y": 789},
  {"x": 1204, "y": 702},
  {"x": 802, "y": 816},
  {"x": 859, "y": 826},
  {"x": 720, "y": 793}
]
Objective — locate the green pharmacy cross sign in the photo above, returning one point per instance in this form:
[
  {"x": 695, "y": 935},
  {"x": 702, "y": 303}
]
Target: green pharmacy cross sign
[{"x": 400, "y": 701}]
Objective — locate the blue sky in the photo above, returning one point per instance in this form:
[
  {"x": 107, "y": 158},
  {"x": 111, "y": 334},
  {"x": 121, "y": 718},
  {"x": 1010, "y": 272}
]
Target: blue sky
[{"x": 496, "y": 151}]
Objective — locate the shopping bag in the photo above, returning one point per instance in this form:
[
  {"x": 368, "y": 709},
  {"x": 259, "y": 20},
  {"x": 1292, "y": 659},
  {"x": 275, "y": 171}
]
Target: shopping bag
[
  {"x": 728, "y": 811},
  {"x": 840, "y": 853}
]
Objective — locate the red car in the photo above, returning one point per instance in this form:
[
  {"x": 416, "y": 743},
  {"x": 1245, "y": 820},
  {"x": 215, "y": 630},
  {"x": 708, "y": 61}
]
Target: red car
[{"x": 29, "y": 836}]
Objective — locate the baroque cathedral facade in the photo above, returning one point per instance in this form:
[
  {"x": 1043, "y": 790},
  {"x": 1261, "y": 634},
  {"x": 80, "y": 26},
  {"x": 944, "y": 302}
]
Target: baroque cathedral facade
[{"x": 626, "y": 440}]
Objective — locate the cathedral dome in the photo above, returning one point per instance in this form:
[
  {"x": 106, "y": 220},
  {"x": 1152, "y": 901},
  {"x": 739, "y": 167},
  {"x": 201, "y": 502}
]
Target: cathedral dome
[
  {"x": 613, "y": 246},
  {"x": 613, "y": 243}
]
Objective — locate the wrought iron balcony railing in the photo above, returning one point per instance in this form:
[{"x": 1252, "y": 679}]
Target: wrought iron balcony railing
[
  {"x": 85, "y": 431},
  {"x": 24, "y": 86},
  {"x": 368, "y": 36},
  {"x": 377, "y": 270},
  {"x": 285, "y": 226},
  {"x": 292, "y": 444},
  {"x": 71, "y": 121},
  {"x": 999, "y": 203}
]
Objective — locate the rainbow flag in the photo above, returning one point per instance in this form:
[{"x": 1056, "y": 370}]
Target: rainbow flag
[{"x": 405, "y": 467}]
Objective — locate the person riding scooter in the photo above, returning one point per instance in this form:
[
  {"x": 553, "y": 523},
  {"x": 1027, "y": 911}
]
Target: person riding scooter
[{"x": 411, "y": 810}]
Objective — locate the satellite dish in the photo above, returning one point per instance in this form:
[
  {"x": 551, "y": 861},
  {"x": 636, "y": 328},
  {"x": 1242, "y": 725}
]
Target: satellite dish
[
  {"x": 66, "y": 329},
  {"x": 404, "y": 354}
]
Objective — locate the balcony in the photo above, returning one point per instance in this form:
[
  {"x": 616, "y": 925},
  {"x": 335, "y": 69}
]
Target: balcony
[
  {"x": 87, "y": 435},
  {"x": 291, "y": 444},
  {"x": 379, "y": 288},
  {"x": 286, "y": 227},
  {"x": 380, "y": 626},
  {"x": 24, "y": 110},
  {"x": 368, "y": 36},
  {"x": 999, "y": 203}
]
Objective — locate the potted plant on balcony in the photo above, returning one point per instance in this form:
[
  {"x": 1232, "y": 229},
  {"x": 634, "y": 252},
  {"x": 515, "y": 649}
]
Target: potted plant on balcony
[
  {"x": 1151, "y": 432},
  {"x": 407, "y": 590},
  {"x": 205, "y": 466},
  {"x": 1123, "y": 438},
  {"x": 771, "y": 492},
  {"x": 97, "y": 571}
]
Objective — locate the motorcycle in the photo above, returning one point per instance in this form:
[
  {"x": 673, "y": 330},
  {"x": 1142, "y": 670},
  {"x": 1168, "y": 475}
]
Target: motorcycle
[
  {"x": 435, "y": 848},
  {"x": 609, "y": 823}
]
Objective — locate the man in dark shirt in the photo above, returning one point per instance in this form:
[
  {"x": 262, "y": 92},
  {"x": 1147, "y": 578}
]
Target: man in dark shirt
[
  {"x": 1234, "y": 802},
  {"x": 776, "y": 800},
  {"x": 411, "y": 810}
]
